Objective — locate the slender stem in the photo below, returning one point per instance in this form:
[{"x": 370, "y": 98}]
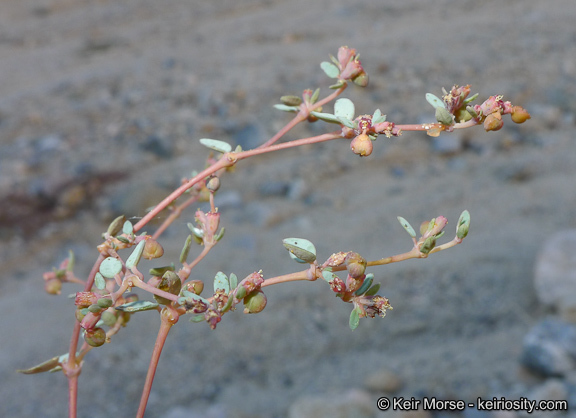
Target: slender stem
[
  {"x": 158, "y": 346},
  {"x": 136, "y": 281},
  {"x": 227, "y": 160},
  {"x": 188, "y": 267},
  {"x": 223, "y": 162},
  {"x": 301, "y": 117},
  {"x": 72, "y": 396},
  {"x": 295, "y": 121},
  {"x": 174, "y": 215}
]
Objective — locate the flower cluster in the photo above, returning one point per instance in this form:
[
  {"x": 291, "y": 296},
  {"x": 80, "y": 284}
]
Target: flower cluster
[{"x": 350, "y": 66}]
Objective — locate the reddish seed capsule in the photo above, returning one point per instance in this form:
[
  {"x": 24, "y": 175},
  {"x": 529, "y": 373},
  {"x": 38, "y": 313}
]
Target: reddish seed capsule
[
  {"x": 152, "y": 249},
  {"x": 362, "y": 145},
  {"x": 53, "y": 286},
  {"x": 493, "y": 122},
  {"x": 95, "y": 337},
  {"x": 519, "y": 114},
  {"x": 255, "y": 302}
]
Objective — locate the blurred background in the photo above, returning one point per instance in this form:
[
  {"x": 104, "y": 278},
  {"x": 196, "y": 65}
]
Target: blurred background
[{"x": 102, "y": 104}]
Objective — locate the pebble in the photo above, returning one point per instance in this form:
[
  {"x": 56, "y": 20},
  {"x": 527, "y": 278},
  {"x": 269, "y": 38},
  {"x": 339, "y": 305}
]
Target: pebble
[
  {"x": 549, "y": 348},
  {"x": 384, "y": 380},
  {"x": 555, "y": 274}
]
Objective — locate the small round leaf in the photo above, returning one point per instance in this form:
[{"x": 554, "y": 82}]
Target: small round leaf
[
  {"x": 301, "y": 248},
  {"x": 127, "y": 228},
  {"x": 435, "y": 101},
  {"x": 110, "y": 267},
  {"x": 221, "y": 283},
  {"x": 330, "y": 69},
  {"x": 344, "y": 108},
  {"x": 99, "y": 281}
]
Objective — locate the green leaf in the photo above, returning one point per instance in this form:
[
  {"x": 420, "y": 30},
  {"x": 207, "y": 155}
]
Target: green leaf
[
  {"x": 328, "y": 276},
  {"x": 435, "y": 101},
  {"x": 185, "y": 249},
  {"x": 354, "y": 319},
  {"x": 221, "y": 283},
  {"x": 138, "y": 306},
  {"x": 285, "y": 108},
  {"x": 216, "y": 145},
  {"x": 99, "y": 281},
  {"x": 71, "y": 261},
  {"x": 378, "y": 117},
  {"x": 110, "y": 267},
  {"x": 406, "y": 225},
  {"x": 470, "y": 99},
  {"x": 197, "y": 318},
  {"x": 337, "y": 85},
  {"x": 159, "y": 271},
  {"x": 116, "y": 225},
  {"x": 326, "y": 117},
  {"x": 365, "y": 285},
  {"x": 127, "y": 228},
  {"x": 444, "y": 116},
  {"x": 463, "y": 225},
  {"x": 347, "y": 122},
  {"x": 134, "y": 258},
  {"x": 233, "y": 281},
  {"x": 47, "y": 366},
  {"x": 315, "y": 95},
  {"x": 301, "y": 249},
  {"x": 330, "y": 69},
  {"x": 373, "y": 290},
  {"x": 344, "y": 108}
]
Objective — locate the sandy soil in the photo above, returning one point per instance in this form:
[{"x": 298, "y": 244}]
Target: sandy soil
[{"x": 101, "y": 107}]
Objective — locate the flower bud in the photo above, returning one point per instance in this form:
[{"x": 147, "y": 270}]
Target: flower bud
[
  {"x": 362, "y": 145},
  {"x": 53, "y": 286},
  {"x": 152, "y": 249},
  {"x": 213, "y": 184},
  {"x": 255, "y": 302},
  {"x": 493, "y": 122},
  {"x": 519, "y": 114},
  {"x": 95, "y": 337},
  {"x": 291, "y": 100}
]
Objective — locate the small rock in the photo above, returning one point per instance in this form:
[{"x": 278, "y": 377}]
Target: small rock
[
  {"x": 384, "y": 380},
  {"x": 353, "y": 404},
  {"x": 555, "y": 275},
  {"x": 550, "y": 348},
  {"x": 551, "y": 390}
]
